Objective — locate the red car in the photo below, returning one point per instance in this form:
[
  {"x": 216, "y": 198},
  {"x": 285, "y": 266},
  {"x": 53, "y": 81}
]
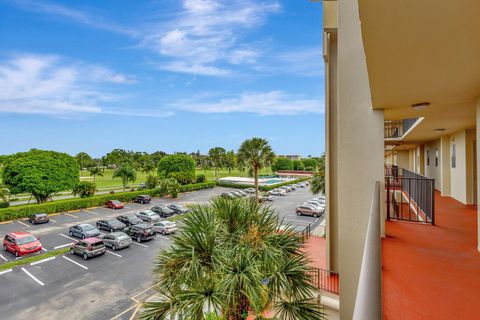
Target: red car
[
  {"x": 114, "y": 204},
  {"x": 20, "y": 243}
]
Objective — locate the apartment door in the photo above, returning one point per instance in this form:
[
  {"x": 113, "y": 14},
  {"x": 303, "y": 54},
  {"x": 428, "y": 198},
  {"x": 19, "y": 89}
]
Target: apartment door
[{"x": 475, "y": 196}]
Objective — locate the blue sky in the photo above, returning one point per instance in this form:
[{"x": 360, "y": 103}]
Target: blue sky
[{"x": 166, "y": 75}]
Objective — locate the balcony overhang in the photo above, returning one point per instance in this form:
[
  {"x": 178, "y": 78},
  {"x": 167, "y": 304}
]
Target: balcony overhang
[{"x": 419, "y": 51}]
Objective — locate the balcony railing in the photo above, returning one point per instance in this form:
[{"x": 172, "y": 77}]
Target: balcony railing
[
  {"x": 397, "y": 128},
  {"x": 368, "y": 299},
  {"x": 324, "y": 280},
  {"x": 410, "y": 196}
]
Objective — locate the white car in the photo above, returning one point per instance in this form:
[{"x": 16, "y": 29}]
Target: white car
[
  {"x": 277, "y": 192},
  {"x": 249, "y": 190},
  {"x": 317, "y": 203},
  {"x": 164, "y": 227}
]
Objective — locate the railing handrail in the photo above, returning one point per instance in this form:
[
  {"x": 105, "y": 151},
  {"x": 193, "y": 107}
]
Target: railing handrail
[
  {"x": 325, "y": 280},
  {"x": 368, "y": 299}
]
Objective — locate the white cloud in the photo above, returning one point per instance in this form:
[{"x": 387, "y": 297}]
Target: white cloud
[
  {"x": 47, "y": 84},
  {"x": 263, "y": 103},
  {"x": 207, "y": 36}
]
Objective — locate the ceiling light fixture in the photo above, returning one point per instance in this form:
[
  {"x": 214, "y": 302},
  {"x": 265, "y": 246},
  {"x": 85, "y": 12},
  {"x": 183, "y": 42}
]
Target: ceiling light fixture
[
  {"x": 439, "y": 129},
  {"x": 420, "y": 106}
]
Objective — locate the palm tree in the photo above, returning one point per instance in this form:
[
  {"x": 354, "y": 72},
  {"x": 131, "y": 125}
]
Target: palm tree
[
  {"x": 255, "y": 153},
  {"x": 95, "y": 171},
  {"x": 232, "y": 259},
  {"x": 4, "y": 193},
  {"x": 318, "y": 181},
  {"x": 148, "y": 167},
  {"x": 126, "y": 173}
]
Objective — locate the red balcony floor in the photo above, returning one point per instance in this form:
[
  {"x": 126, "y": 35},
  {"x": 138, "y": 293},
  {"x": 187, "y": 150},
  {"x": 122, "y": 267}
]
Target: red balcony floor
[{"x": 433, "y": 272}]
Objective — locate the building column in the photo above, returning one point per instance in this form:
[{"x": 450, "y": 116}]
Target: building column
[
  {"x": 478, "y": 170},
  {"x": 445, "y": 171},
  {"x": 359, "y": 153}
]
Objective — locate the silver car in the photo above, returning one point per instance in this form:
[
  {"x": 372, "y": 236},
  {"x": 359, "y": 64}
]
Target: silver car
[
  {"x": 309, "y": 210},
  {"x": 83, "y": 231},
  {"x": 117, "y": 240},
  {"x": 148, "y": 216},
  {"x": 164, "y": 227}
]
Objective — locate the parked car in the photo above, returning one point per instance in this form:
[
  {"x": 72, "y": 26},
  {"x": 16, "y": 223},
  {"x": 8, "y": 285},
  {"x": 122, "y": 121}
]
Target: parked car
[
  {"x": 266, "y": 198},
  {"x": 38, "y": 218},
  {"x": 21, "y": 243},
  {"x": 308, "y": 210},
  {"x": 250, "y": 190},
  {"x": 142, "y": 186},
  {"x": 148, "y": 216},
  {"x": 163, "y": 211},
  {"x": 165, "y": 227},
  {"x": 110, "y": 225},
  {"x": 140, "y": 232},
  {"x": 287, "y": 188},
  {"x": 302, "y": 185},
  {"x": 117, "y": 240},
  {"x": 277, "y": 192},
  {"x": 129, "y": 219},
  {"x": 88, "y": 248},
  {"x": 227, "y": 195},
  {"x": 83, "y": 231},
  {"x": 114, "y": 204},
  {"x": 178, "y": 208},
  {"x": 241, "y": 193},
  {"x": 293, "y": 186},
  {"x": 321, "y": 199},
  {"x": 316, "y": 203},
  {"x": 143, "y": 199}
]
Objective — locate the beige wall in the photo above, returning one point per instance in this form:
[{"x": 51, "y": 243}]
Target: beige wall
[
  {"x": 402, "y": 159},
  {"x": 360, "y": 145},
  {"x": 445, "y": 158},
  {"x": 470, "y": 167},
  {"x": 458, "y": 174}
]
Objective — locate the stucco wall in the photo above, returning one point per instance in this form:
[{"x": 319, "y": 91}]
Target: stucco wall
[{"x": 458, "y": 187}]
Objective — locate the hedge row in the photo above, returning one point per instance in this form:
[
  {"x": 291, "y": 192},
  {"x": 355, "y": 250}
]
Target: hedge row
[
  {"x": 261, "y": 188},
  {"x": 23, "y": 211}
]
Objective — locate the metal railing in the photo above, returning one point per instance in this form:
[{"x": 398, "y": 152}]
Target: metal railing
[
  {"x": 325, "y": 280},
  {"x": 368, "y": 299},
  {"x": 397, "y": 128},
  {"x": 391, "y": 171},
  {"x": 306, "y": 233},
  {"x": 410, "y": 197}
]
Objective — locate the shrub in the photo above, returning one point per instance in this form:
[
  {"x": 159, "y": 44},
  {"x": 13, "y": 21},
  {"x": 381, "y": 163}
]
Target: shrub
[
  {"x": 84, "y": 189},
  {"x": 310, "y": 162},
  {"x": 4, "y": 204},
  {"x": 309, "y": 168},
  {"x": 152, "y": 182},
  {"x": 23, "y": 211},
  {"x": 261, "y": 188},
  {"x": 182, "y": 177},
  {"x": 201, "y": 178},
  {"x": 298, "y": 165}
]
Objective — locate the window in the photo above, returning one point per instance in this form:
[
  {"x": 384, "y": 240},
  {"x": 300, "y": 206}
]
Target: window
[
  {"x": 436, "y": 157},
  {"x": 428, "y": 157},
  {"x": 454, "y": 156}
]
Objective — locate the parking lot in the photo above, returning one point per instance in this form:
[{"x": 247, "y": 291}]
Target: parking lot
[{"x": 107, "y": 287}]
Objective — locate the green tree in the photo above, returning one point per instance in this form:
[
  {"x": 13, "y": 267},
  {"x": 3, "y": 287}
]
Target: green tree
[
  {"x": 84, "y": 160},
  {"x": 84, "y": 189},
  {"x": 126, "y": 173},
  {"x": 217, "y": 157},
  {"x": 230, "y": 160},
  {"x": 282, "y": 164},
  {"x": 298, "y": 165},
  {"x": 95, "y": 171},
  {"x": 148, "y": 166},
  {"x": 41, "y": 173},
  {"x": 116, "y": 157},
  {"x": 157, "y": 156},
  {"x": 310, "y": 162},
  {"x": 176, "y": 163},
  {"x": 243, "y": 263},
  {"x": 255, "y": 153}
]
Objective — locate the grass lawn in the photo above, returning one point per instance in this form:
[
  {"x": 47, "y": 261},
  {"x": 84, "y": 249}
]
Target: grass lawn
[{"x": 107, "y": 181}]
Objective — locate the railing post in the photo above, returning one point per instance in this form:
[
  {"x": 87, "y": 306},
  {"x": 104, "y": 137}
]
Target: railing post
[{"x": 388, "y": 198}]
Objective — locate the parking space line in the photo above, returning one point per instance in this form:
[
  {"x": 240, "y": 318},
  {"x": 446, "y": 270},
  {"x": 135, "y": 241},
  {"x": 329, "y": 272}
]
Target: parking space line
[
  {"x": 33, "y": 277},
  {"x": 68, "y": 237},
  {"x": 139, "y": 244},
  {"x": 95, "y": 213},
  {"x": 62, "y": 246},
  {"x": 42, "y": 261},
  {"x": 43, "y": 249},
  {"x": 5, "y": 271},
  {"x": 23, "y": 223},
  {"x": 113, "y": 253},
  {"x": 53, "y": 220},
  {"x": 75, "y": 262},
  {"x": 70, "y": 215},
  {"x": 5, "y": 259},
  {"x": 163, "y": 237},
  {"x": 301, "y": 221}
]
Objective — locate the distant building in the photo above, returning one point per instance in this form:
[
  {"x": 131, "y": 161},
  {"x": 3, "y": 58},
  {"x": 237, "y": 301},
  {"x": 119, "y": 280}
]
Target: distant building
[{"x": 291, "y": 156}]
